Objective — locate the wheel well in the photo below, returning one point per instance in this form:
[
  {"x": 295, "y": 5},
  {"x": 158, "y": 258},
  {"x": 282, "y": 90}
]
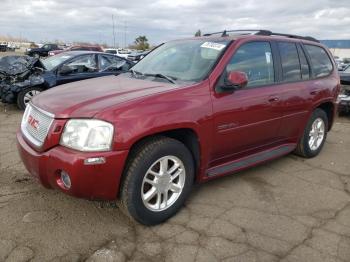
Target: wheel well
[
  {"x": 328, "y": 107},
  {"x": 185, "y": 135}
]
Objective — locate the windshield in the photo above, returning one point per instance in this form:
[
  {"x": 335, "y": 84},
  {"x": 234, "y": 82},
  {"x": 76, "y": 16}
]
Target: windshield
[
  {"x": 53, "y": 61},
  {"x": 188, "y": 60}
]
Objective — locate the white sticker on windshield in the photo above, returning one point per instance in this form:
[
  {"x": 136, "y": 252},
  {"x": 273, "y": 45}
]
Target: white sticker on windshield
[
  {"x": 268, "y": 57},
  {"x": 213, "y": 45}
]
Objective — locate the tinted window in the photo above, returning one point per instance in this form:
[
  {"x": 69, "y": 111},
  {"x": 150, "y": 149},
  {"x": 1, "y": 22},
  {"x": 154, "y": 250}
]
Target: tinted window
[
  {"x": 255, "y": 59},
  {"x": 320, "y": 61},
  {"x": 305, "y": 68},
  {"x": 290, "y": 62}
]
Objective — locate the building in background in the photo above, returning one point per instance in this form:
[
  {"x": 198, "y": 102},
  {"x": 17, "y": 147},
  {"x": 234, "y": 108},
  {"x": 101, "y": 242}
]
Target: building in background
[{"x": 340, "y": 48}]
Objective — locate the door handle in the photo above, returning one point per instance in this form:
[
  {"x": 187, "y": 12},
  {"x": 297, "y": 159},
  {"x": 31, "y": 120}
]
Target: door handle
[{"x": 273, "y": 99}]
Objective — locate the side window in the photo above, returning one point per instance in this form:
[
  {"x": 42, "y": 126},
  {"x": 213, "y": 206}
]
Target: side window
[
  {"x": 83, "y": 64},
  {"x": 320, "y": 61},
  {"x": 305, "y": 68},
  {"x": 255, "y": 59},
  {"x": 290, "y": 61},
  {"x": 109, "y": 63}
]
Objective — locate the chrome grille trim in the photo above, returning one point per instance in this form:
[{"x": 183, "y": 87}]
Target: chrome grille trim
[{"x": 45, "y": 119}]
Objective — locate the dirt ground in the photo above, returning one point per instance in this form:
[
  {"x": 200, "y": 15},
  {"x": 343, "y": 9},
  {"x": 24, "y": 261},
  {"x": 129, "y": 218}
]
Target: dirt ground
[{"x": 290, "y": 209}]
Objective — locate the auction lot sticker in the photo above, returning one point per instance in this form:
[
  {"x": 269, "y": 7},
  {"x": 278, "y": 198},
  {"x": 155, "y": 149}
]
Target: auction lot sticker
[{"x": 213, "y": 45}]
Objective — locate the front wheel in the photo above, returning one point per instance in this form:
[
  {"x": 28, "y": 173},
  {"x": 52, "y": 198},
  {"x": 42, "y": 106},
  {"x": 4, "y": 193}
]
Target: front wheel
[
  {"x": 314, "y": 135},
  {"x": 26, "y": 95},
  {"x": 157, "y": 181}
]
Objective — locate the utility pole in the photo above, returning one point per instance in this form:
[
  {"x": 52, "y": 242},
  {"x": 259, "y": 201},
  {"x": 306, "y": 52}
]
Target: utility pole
[
  {"x": 113, "y": 30},
  {"x": 125, "y": 34}
]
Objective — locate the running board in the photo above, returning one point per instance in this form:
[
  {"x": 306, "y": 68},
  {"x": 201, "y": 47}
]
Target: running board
[{"x": 251, "y": 160}]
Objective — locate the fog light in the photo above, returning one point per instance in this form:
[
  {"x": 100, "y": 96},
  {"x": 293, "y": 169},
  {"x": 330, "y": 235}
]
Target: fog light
[
  {"x": 94, "y": 160},
  {"x": 65, "y": 180}
]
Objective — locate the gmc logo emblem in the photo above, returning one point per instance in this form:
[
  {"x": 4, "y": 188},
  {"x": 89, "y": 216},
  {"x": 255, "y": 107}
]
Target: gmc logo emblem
[{"x": 33, "y": 122}]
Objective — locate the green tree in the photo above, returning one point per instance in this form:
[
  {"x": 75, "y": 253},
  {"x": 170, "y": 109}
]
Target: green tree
[
  {"x": 198, "y": 33},
  {"x": 141, "y": 43}
]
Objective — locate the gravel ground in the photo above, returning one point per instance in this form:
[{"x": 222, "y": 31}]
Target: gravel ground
[{"x": 290, "y": 209}]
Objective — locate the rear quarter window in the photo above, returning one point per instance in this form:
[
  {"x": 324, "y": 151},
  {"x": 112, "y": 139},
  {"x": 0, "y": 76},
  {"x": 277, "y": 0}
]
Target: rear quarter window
[{"x": 321, "y": 64}]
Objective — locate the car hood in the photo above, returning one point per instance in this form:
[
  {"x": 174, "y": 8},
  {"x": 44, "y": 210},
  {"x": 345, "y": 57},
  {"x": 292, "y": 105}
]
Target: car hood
[{"x": 89, "y": 97}]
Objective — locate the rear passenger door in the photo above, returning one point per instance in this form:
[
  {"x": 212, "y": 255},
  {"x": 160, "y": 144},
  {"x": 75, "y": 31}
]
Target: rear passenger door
[
  {"x": 304, "y": 81},
  {"x": 293, "y": 88}
]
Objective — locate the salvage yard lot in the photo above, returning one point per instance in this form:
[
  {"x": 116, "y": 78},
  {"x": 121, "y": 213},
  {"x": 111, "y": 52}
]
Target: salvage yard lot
[{"x": 290, "y": 209}]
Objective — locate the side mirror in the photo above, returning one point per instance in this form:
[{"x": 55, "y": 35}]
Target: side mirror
[
  {"x": 235, "y": 80},
  {"x": 65, "y": 70}
]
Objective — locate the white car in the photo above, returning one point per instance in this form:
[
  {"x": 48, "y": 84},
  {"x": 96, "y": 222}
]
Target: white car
[{"x": 118, "y": 52}]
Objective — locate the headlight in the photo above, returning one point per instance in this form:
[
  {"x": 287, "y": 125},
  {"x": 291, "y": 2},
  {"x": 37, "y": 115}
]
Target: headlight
[{"x": 87, "y": 135}]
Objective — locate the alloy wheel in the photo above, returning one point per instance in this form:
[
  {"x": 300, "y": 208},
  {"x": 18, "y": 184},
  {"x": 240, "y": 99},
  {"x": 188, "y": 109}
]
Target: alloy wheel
[
  {"x": 163, "y": 183},
  {"x": 316, "y": 134}
]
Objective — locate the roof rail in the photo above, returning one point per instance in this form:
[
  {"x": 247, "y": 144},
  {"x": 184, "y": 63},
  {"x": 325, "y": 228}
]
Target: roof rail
[{"x": 262, "y": 32}]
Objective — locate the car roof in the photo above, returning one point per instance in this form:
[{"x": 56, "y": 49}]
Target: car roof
[
  {"x": 254, "y": 35},
  {"x": 82, "y": 52}
]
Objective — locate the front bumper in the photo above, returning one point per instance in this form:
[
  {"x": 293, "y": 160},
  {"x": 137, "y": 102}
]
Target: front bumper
[{"x": 98, "y": 181}]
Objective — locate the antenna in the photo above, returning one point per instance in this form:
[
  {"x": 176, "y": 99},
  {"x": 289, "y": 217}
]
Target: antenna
[{"x": 113, "y": 30}]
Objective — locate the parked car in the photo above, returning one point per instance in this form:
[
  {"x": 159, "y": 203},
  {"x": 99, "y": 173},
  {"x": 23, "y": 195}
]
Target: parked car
[
  {"x": 3, "y": 46},
  {"x": 42, "y": 51},
  {"x": 95, "y": 48},
  {"x": 137, "y": 56},
  {"x": 36, "y": 76},
  {"x": 191, "y": 111},
  {"x": 118, "y": 52},
  {"x": 345, "y": 76},
  {"x": 344, "y": 100}
]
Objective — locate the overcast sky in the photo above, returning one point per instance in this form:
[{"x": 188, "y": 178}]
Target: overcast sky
[{"x": 162, "y": 20}]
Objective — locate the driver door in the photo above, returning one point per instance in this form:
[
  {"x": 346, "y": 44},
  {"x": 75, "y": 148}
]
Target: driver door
[
  {"x": 82, "y": 67},
  {"x": 249, "y": 118}
]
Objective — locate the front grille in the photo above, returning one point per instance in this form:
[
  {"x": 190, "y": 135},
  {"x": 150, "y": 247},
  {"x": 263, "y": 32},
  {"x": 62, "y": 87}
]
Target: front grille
[{"x": 36, "y": 124}]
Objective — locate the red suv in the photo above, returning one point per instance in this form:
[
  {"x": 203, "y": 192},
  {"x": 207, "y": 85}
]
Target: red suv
[{"x": 190, "y": 111}]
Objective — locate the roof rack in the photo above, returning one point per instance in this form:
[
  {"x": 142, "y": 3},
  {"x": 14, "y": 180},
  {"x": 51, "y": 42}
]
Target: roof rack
[{"x": 262, "y": 32}]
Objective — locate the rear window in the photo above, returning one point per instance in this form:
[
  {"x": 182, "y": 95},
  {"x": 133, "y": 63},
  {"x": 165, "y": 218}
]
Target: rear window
[
  {"x": 290, "y": 62},
  {"x": 320, "y": 62}
]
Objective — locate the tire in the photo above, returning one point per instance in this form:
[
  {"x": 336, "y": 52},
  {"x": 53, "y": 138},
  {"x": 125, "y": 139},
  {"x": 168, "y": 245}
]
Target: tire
[
  {"x": 143, "y": 163},
  {"x": 304, "y": 149},
  {"x": 24, "y": 96},
  {"x": 36, "y": 55}
]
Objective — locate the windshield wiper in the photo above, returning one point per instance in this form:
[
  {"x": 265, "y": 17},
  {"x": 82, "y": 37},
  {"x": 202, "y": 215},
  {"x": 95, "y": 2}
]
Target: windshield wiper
[
  {"x": 170, "y": 79},
  {"x": 134, "y": 73}
]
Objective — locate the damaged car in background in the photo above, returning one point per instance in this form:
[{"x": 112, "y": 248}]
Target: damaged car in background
[
  {"x": 344, "y": 97},
  {"x": 23, "y": 77}
]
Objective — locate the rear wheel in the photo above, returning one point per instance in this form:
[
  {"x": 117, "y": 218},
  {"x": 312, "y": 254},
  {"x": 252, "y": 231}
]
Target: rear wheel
[
  {"x": 36, "y": 55},
  {"x": 26, "y": 95},
  {"x": 157, "y": 181},
  {"x": 314, "y": 135}
]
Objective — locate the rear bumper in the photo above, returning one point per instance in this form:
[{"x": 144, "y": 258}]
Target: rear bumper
[{"x": 98, "y": 181}]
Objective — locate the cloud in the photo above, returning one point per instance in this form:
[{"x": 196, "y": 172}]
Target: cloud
[{"x": 162, "y": 20}]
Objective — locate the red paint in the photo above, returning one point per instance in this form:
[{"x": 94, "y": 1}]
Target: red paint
[
  {"x": 229, "y": 126},
  {"x": 237, "y": 78}
]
